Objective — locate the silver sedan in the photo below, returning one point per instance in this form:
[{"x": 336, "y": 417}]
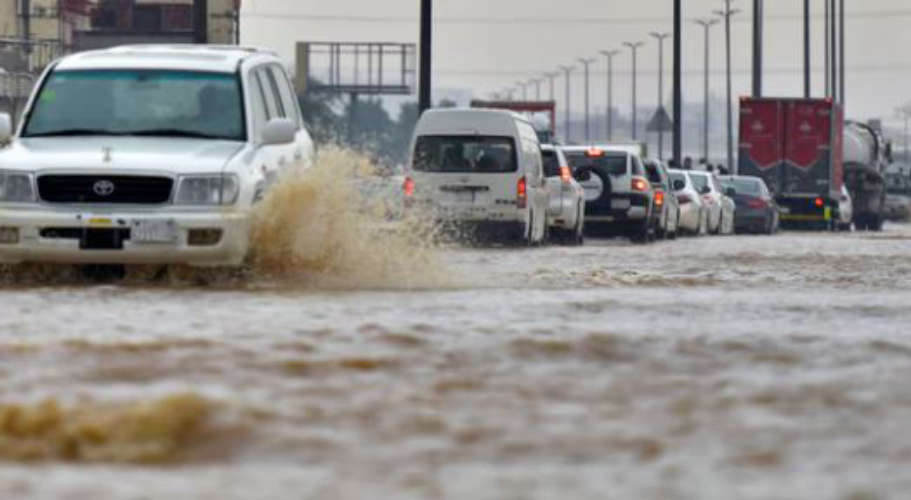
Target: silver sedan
[{"x": 566, "y": 211}]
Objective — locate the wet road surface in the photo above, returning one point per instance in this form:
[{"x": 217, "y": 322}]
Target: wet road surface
[{"x": 713, "y": 368}]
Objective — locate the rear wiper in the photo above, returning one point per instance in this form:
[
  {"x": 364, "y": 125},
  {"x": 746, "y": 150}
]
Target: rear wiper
[
  {"x": 72, "y": 132},
  {"x": 174, "y": 132}
]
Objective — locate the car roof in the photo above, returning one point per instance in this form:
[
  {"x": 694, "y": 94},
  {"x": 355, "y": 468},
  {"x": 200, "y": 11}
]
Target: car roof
[
  {"x": 209, "y": 58},
  {"x": 469, "y": 121},
  {"x": 608, "y": 152}
]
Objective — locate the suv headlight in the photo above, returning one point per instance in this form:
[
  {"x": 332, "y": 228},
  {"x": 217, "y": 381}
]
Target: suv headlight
[
  {"x": 16, "y": 187},
  {"x": 219, "y": 189}
]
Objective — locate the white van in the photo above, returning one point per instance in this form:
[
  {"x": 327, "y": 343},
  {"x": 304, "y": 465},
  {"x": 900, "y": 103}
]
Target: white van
[{"x": 482, "y": 170}]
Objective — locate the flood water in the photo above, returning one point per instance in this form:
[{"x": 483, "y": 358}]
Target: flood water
[{"x": 712, "y": 368}]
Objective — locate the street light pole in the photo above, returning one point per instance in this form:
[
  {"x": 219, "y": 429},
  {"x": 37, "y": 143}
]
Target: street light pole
[
  {"x": 806, "y": 49},
  {"x": 833, "y": 43},
  {"x": 551, "y": 77},
  {"x": 585, "y": 65},
  {"x": 609, "y": 55},
  {"x": 757, "y": 47},
  {"x": 706, "y": 25},
  {"x": 660, "y": 37},
  {"x": 828, "y": 26},
  {"x": 567, "y": 70},
  {"x": 678, "y": 81},
  {"x": 726, "y": 14},
  {"x": 424, "y": 96},
  {"x": 524, "y": 87},
  {"x": 634, "y": 47},
  {"x": 537, "y": 83},
  {"x": 841, "y": 53}
]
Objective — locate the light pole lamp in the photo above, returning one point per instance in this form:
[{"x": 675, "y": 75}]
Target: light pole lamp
[
  {"x": 567, "y": 70},
  {"x": 706, "y": 25},
  {"x": 609, "y": 55},
  {"x": 634, "y": 48},
  {"x": 726, "y": 14},
  {"x": 586, "y": 63},
  {"x": 660, "y": 37}
]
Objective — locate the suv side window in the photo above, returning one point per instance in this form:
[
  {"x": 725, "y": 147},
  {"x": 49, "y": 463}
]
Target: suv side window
[
  {"x": 637, "y": 166},
  {"x": 268, "y": 95},
  {"x": 286, "y": 95},
  {"x": 258, "y": 102},
  {"x": 276, "y": 94}
]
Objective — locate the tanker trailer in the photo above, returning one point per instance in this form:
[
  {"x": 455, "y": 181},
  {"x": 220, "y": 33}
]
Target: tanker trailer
[{"x": 865, "y": 156}]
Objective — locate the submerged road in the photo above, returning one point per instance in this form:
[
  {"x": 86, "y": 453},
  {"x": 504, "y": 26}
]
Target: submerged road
[{"x": 714, "y": 368}]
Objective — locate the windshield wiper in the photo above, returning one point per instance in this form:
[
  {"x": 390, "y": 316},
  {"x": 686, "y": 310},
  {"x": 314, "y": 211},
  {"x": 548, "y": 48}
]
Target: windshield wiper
[
  {"x": 72, "y": 132},
  {"x": 175, "y": 132}
]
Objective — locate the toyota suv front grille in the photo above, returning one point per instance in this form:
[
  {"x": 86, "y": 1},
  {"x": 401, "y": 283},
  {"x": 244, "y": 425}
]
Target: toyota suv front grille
[{"x": 129, "y": 189}]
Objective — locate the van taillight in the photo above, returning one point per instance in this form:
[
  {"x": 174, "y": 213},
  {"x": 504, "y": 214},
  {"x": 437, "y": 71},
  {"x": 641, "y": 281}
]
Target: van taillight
[
  {"x": 408, "y": 186},
  {"x": 639, "y": 184},
  {"x": 521, "y": 193},
  {"x": 565, "y": 174}
]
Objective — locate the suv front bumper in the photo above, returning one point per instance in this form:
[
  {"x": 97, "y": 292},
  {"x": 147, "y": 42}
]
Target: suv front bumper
[{"x": 60, "y": 236}]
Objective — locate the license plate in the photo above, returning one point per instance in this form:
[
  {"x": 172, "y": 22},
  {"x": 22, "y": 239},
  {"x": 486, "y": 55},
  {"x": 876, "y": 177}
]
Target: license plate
[
  {"x": 153, "y": 231},
  {"x": 464, "y": 196},
  {"x": 619, "y": 204}
]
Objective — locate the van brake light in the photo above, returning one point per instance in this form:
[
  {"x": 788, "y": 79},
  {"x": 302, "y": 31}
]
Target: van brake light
[
  {"x": 521, "y": 193},
  {"x": 594, "y": 152},
  {"x": 565, "y": 174}
]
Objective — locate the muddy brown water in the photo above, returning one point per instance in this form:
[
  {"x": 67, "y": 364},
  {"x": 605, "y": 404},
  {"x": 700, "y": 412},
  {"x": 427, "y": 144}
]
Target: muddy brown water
[{"x": 729, "y": 367}]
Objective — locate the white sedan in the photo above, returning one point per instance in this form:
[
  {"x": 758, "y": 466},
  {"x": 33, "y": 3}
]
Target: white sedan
[
  {"x": 720, "y": 208},
  {"x": 566, "y": 211},
  {"x": 693, "y": 215}
]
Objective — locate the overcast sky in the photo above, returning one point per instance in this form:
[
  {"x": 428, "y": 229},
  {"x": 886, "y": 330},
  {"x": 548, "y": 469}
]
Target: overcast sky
[{"x": 522, "y": 39}]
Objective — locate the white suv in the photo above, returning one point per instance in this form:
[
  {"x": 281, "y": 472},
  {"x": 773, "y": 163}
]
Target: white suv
[{"x": 147, "y": 154}]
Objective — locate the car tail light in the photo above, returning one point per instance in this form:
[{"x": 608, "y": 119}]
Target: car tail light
[
  {"x": 522, "y": 193},
  {"x": 757, "y": 203},
  {"x": 683, "y": 199},
  {"x": 408, "y": 186},
  {"x": 819, "y": 202},
  {"x": 639, "y": 184},
  {"x": 565, "y": 174},
  {"x": 659, "y": 198}
]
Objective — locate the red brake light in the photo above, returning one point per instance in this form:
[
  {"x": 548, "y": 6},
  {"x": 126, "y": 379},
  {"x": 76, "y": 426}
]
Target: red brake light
[
  {"x": 408, "y": 186},
  {"x": 819, "y": 202},
  {"x": 594, "y": 152},
  {"x": 639, "y": 184},
  {"x": 659, "y": 198},
  {"x": 756, "y": 203},
  {"x": 521, "y": 193},
  {"x": 565, "y": 174}
]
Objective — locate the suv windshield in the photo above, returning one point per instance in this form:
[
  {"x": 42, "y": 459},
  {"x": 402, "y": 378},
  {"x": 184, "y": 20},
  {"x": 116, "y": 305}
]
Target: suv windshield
[
  {"x": 478, "y": 154},
  {"x": 551, "y": 163},
  {"x": 611, "y": 164},
  {"x": 139, "y": 102}
]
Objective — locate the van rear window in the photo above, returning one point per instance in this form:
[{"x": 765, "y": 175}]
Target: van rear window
[
  {"x": 472, "y": 154},
  {"x": 610, "y": 164}
]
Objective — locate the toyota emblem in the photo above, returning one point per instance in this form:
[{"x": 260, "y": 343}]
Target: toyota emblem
[{"x": 103, "y": 187}]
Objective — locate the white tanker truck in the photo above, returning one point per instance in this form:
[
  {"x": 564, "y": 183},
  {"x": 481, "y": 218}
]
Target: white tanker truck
[{"x": 865, "y": 157}]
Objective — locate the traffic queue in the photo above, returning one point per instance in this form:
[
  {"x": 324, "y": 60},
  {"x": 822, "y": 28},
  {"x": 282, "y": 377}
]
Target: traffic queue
[{"x": 485, "y": 173}]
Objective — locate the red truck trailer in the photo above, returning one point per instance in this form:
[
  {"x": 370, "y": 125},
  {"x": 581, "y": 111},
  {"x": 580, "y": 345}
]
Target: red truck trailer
[
  {"x": 549, "y": 107},
  {"x": 795, "y": 145}
]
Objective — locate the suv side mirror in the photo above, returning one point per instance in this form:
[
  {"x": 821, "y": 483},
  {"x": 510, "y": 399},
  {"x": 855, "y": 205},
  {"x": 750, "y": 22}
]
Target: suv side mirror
[
  {"x": 6, "y": 127},
  {"x": 730, "y": 192},
  {"x": 278, "y": 131},
  {"x": 678, "y": 185}
]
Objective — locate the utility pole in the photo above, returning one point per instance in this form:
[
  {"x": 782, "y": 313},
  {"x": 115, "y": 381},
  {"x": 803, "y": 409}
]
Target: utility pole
[
  {"x": 841, "y": 54},
  {"x": 678, "y": 81},
  {"x": 757, "y": 47},
  {"x": 706, "y": 25},
  {"x": 537, "y": 83},
  {"x": 609, "y": 55},
  {"x": 567, "y": 70},
  {"x": 524, "y": 87},
  {"x": 828, "y": 26},
  {"x": 424, "y": 97},
  {"x": 551, "y": 77},
  {"x": 833, "y": 42},
  {"x": 660, "y": 37},
  {"x": 585, "y": 65},
  {"x": 634, "y": 48},
  {"x": 726, "y": 14},
  {"x": 806, "y": 49}
]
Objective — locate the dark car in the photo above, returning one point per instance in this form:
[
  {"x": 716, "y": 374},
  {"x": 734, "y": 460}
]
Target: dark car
[{"x": 757, "y": 211}]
